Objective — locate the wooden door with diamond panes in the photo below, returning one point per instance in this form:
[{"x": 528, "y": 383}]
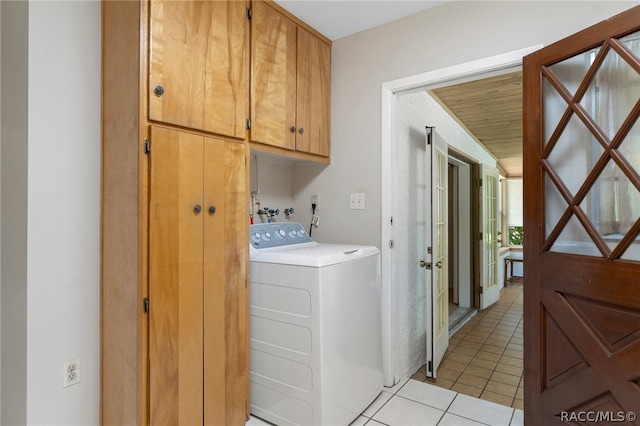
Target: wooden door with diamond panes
[{"x": 582, "y": 222}]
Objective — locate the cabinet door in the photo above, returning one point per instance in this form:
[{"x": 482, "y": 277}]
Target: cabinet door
[
  {"x": 198, "y": 71},
  {"x": 225, "y": 259},
  {"x": 273, "y": 75},
  {"x": 314, "y": 93},
  {"x": 175, "y": 278}
]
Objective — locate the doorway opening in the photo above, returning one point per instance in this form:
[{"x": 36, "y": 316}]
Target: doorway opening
[
  {"x": 394, "y": 311},
  {"x": 462, "y": 303}
]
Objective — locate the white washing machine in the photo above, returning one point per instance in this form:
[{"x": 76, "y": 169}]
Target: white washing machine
[{"x": 316, "y": 351}]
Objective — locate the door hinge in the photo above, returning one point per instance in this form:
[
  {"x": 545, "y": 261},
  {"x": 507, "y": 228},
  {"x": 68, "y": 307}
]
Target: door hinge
[
  {"x": 248, "y": 124},
  {"x": 430, "y": 367},
  {"x": 391, "y": 244},
  {"x": 391, "y": 220},
  {"x": 147, "y": 146},
  {"x": 479, "y": 182},
  {"x": 429, "y": 250},
  {"x": 429, "y": 134},
  {"x": 480, "y": 236},
  {"x": 145, "y": 304},
  {"x": 479, "y": 289},
  {"x": 249, "y": 13}
]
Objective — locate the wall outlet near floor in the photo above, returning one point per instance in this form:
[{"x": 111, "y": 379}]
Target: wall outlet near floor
[
  {"x": 356, "y": 201},
  {"x": 71, "y": 372}
]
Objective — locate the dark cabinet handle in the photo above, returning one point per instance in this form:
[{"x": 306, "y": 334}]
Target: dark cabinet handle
[
  {"x": 212, "y": 210},
  {"x": 301, "y": 130},
  {"x": 293, "y": 129},
  {"x": 159, "y": 91},
  {"x": 197, "y": 209}
]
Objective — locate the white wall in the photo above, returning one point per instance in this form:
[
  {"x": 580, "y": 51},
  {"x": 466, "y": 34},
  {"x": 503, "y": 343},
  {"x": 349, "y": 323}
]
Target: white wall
[
  {"x": 412, "y": 227},
  {"x": 272, "y": 186},
  {"x": 14, "y": 212},
  {"x": 455, "y": 33},
  {"x": 56, "y": 160}
]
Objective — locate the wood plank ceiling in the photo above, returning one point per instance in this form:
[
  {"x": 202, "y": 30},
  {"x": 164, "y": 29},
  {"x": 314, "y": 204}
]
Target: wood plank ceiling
[{"x": 491, "y": 111}]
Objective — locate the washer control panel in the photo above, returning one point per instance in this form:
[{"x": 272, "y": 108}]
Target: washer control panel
[{"x": 268, "y": 235}]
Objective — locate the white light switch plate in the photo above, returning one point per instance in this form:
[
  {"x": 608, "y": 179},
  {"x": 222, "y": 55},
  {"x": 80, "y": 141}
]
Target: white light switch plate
[{"x": 356, "y": 201}]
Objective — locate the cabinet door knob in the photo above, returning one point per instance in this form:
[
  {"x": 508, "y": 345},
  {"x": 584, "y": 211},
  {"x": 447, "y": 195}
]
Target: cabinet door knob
[
  {"x": 293, "y": 129},
  {"x": 159, "y": 91},
  {"x": 212, "y": 209},
  {"x": 301, "y": 130},
  {"x": 197, "y": 209}
]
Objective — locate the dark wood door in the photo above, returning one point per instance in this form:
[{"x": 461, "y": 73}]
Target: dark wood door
[{"x": 582, "y": 224}]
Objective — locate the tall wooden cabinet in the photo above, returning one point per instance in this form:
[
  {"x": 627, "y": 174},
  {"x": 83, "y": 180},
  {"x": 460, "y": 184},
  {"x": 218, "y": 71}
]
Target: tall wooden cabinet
[
  {"x": 290, "y": 83},
  {"x": 174, "y": 213},
  {"x": 175, "y": 148},
  {"x": 197, "y": 257}
]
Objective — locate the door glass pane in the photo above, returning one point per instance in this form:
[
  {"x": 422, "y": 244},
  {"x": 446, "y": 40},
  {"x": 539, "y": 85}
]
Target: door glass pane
[
  {"x": 612, "y": 204},
  {"x": 574, "y": 239},
  {"x": 571, "y": 71},
  {"x": 612, "y": 93},
  {"x": 575, "y": 154},
  {"x": 554, "y": 108},
  {"x": 555, "y": 205}
]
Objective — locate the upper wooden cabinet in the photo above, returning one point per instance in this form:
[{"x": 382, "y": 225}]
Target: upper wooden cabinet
[
  {"x": 290, "y": 83},
  {"x": 198, "y": 69}
]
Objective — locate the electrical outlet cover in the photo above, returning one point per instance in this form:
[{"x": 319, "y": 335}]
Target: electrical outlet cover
[{"x": 71, "y": 372}]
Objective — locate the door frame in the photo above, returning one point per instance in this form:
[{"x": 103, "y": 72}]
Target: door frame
[{"x": 389, "y": 91}]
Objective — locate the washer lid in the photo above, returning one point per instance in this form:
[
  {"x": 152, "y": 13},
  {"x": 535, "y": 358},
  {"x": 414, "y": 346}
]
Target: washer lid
[{"x": 315, "y": 254}]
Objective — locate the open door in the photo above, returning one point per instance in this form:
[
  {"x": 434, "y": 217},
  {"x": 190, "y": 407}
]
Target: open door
[
  {"x": 582, "y": 224},
  {"x": 438, "y": 291},
  {"x": 489, "y": 226}
]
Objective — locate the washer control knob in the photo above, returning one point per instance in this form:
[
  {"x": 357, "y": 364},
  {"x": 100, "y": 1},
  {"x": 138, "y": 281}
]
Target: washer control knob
[
  {"x": 266, "y": 236},
  {"x": 281, "y": 234},
  {"x": 292, "y": 234},
  {"x": 256, "y": 237}
]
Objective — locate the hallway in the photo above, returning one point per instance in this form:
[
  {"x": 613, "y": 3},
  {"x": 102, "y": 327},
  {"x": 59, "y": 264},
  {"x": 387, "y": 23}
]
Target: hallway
[{"x": 484, "y": 358}]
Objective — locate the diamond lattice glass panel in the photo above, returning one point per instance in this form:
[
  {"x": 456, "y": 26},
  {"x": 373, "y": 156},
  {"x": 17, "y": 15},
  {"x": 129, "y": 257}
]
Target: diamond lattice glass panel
[
  {"x": 575, "y": 240},
  {"x": 554, "y": 108},
  {"x": 612, "y": 93},
  {"x": 575, "y": 154},
  {"x": 612, "y": 205},
  {"x": 554, "y": 205}
]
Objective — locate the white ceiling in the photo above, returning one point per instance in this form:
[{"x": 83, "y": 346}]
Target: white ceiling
[{"x": 336, "y": 19}]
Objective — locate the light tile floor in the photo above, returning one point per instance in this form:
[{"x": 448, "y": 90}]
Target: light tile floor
[
  {"x": 484, "y": 358},
  {"x": 414, "y": 403}
]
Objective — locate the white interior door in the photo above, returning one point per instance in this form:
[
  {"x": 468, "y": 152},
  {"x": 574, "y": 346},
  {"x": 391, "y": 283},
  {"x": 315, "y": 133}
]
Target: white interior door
[
  {"x": 489, "y": 226},
  {"x": 438, "y": 293}
]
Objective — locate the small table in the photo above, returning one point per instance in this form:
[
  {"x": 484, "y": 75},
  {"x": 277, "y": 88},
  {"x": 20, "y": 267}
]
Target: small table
[{"x": 509, "y": 261}]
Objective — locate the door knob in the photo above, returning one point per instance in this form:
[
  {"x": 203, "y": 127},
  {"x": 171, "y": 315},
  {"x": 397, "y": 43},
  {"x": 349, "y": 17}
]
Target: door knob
[
  {"x": 158, "y": 91},
  {"x": 197, "y": 209},
  {"x": 212, "y": 209},
  {"x": 439, "y": 264},
  {"x": 293, "y": 129},
  {"x": 301, "y": 130}
]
